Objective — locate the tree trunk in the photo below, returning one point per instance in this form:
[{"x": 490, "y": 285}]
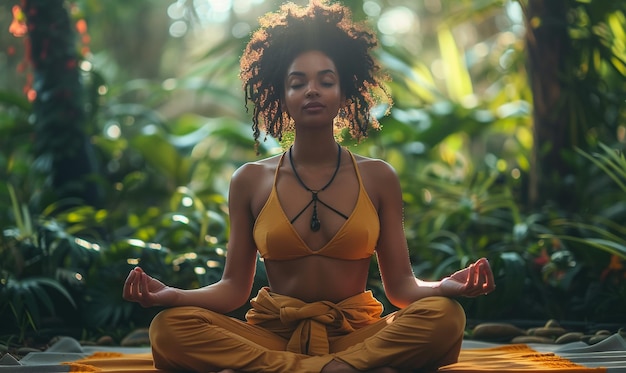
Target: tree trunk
[
  {"x": 547, "y": 42},
  {"x": 61, "y": 146}
]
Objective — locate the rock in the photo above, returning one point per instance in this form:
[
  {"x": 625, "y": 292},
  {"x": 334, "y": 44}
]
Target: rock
[
  {"x": 138, "y": 337},
  {"x": 496, "y": 331},
  {"x": 598, "y": 338},
  {"x": 551, "y": 332},
  {"x": 585, "y": 338},
  {"x": 531, "y": 339},
  {"x": 569, "y": 337},
  {"x": 552, "y": 324},
  {"x": 66, "y": 344},
  {"x": 105, "y": 340}
]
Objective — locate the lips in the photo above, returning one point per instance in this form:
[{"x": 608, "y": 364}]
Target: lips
[{"x": 313, "y": 105}]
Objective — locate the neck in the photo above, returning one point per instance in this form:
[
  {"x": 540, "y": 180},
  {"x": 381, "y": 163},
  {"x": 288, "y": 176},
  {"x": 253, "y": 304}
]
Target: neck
[
  {"x": 310, "y": 153},
  {"x": 314, "y": 148}
]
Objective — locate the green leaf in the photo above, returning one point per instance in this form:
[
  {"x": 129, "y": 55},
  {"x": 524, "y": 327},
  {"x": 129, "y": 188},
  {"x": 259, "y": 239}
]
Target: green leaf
[
  {"x": 611, "y": 247},
  {"x": 14, "y": 99},
  {"x": 611, "y": 163},
  {"x": 162, "y": 155},
  {"x": 458, "y": 79},
  {"x": 42, "y": 296},
  {"x": 28, "y": 296},
  {"x": 55, "y": 285}
]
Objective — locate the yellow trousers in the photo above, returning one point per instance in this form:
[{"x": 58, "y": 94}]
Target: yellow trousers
[{"x": 284, "y": 334}]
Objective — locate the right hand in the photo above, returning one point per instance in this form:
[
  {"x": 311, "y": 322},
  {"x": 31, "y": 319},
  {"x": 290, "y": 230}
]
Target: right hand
[
  {"x": 475, "y": 280},
  {"x": 146, "y": 290}
]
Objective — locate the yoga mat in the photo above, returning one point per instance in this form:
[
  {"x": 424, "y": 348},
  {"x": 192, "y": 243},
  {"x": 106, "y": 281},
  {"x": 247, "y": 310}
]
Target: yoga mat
[
  {"x": 512, "y": 359},
  {"x": 608, "y": 356}
]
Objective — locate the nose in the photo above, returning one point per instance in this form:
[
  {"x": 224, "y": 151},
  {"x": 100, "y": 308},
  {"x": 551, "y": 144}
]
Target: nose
[{"x": 312, "y": 90}]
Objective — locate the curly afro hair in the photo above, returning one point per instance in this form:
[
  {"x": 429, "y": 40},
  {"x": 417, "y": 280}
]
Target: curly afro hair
[{"x": 322, "y": 26}]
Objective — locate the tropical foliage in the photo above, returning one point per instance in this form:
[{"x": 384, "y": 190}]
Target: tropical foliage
[{"x": 119, "y": 152}]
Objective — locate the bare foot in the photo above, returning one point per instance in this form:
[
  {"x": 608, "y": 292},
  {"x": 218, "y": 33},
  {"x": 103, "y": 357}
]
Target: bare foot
[{"x": 340, "y": 367}]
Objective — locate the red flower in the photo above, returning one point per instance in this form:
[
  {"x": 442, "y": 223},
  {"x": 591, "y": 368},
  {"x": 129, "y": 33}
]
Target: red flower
[
  {"x": 615, "y": 265},
  {"x": 81, "y": 26},
  {"x": 542, "y": 259},
  {"x": 18, "y": 25}
]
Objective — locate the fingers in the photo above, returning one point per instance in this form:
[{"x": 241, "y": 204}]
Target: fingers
[
  {"x": 127, "y": 291},
  {"x": 470, "y": 282},
  {"x": 133, "y": 288},
  {"x": 487, "y": 283},
  {"x": 144, "y": 290},
  {"x": 475, "y": 280},
  {"x": 490, "y": 280},
  {"x": 479, "y": 279}
]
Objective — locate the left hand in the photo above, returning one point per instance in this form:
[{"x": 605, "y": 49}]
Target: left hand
[
  {"x": 475, "y": 280},
  {"x": 147, "y": 290}
]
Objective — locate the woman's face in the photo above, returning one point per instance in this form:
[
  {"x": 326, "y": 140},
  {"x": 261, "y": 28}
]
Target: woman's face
[{"x": 312, "y": 90}]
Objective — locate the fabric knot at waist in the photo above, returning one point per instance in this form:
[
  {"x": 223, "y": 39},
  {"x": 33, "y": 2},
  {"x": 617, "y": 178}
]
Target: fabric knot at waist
[{"x": 308, "y": 324}]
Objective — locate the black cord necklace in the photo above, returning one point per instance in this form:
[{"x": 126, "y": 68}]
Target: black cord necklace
[{"x": 315, "y": 221}]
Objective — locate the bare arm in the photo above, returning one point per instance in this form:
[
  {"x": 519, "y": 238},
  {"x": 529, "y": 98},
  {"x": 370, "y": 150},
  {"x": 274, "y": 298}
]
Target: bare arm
[
  {"x": 401, "y": 285},
  {"x": 234, "y": 287}
]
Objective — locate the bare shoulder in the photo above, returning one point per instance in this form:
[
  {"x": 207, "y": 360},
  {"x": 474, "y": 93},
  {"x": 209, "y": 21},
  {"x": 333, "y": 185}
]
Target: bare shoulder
[
  {"x": 252, "y": 182},
  {"x": 375, "y": 169},
  {"x": 255, "y": 170},
  {"x": 379, "y": 178}
]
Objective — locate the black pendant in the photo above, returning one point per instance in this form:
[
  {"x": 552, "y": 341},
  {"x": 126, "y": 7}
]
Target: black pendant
[{"x": 315, "y": 224}]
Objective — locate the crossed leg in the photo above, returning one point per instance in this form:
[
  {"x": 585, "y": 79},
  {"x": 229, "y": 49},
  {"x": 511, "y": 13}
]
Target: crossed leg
[{"x": 425, "y": 335}]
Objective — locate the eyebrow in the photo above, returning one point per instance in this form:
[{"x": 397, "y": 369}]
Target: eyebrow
[{"x": 322, "y": 72}]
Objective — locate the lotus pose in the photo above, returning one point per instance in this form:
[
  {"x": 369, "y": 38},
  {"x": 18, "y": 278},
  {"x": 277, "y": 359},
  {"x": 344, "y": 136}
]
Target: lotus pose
[{"x": 316, "y": 214}]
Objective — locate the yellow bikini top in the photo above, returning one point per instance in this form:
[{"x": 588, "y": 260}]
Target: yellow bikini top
[{"x": 277, "y": 239}]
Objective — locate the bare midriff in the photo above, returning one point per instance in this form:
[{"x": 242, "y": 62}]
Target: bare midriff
[{"x": 316, "y": 278}]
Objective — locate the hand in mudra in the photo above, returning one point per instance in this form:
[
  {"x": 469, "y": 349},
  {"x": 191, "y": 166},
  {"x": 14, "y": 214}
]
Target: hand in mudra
[
  {"x": 475, "y": 280},
  {"x": 146, "y": 290}
]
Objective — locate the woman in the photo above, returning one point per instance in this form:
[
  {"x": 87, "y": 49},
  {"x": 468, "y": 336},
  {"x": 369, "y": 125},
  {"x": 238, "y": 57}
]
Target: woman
[{"x": 316, "y": 214}]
